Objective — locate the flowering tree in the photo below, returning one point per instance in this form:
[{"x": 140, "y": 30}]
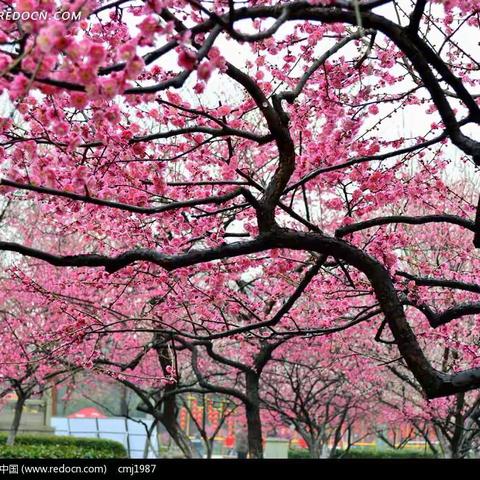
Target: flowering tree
[
  {"x": 157, "y": 174},
  {"x": 310, "y": 389},
  {"x": 159, "y": 394},
  {"x": 237, "y": 376},
  {"x": 449, "y": 426},
  {"x": 25, "y": 371},
  {"x": 209, "y": 414}
]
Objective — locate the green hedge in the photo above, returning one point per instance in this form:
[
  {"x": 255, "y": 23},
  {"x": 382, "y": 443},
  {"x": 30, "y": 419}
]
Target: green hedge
[
  {"x": 52, "y": 446},
  {"x": 298, "y": 453},
  {"x": 372, "y": 452},
  {"x": 363, "y": 452}
]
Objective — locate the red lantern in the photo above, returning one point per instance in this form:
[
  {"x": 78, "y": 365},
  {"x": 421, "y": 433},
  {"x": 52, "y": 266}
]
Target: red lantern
[{"x": 229, "y": 441}]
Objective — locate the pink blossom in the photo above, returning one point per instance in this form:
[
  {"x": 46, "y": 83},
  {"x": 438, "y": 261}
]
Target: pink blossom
[
  {"x": 204, "y": 71},
  {"x": 187, "y": 59}
]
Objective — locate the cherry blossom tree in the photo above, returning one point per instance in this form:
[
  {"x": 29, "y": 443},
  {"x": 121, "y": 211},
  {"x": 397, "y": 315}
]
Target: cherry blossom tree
[
  {"x": 237, "y": 378},
  {"x": 315, "y": 395},
  {"x": 209, "y": 415},
  {"x": 25, "y": 371},
  {"x": 208, "y": 173}
]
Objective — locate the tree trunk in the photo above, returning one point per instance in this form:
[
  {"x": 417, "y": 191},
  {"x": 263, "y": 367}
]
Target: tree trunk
[
  {"x": 148, "y": 441},
  {"x": 317, "y": 447},
  {"x": 324, "y": 451},
  {"x": 180, "y": 439},
  {"x": 169, "y": 421},
  {"x": 209, "y": 447},
  {"x": 252, "y": 409},
  {"x": 54, "y": 400},
  {"x": 17, "y": 416},
  {"x": 314, "y": 449},
  {"x": 123, "y": 401},
  {"x": 168, "y": 417}
]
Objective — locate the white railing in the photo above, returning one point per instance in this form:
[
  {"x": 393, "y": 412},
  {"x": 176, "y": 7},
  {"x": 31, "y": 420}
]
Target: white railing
[{"x": 131, "y": 434}]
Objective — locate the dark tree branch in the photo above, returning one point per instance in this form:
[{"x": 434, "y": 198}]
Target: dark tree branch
[
  {"x": 216, "y": 199},
  {"x": 416, "y": 16},
  {"x": 440, "y": 282},
  {"x": 395, "y": 219}
]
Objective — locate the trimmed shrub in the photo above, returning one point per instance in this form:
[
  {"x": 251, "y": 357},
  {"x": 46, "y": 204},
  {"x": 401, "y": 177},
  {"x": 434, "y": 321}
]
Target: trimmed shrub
[
  {"x": 298, "y": 453},
  {"x": 372, "y": 452},
  {"x": 52, "y": 446},
  {"x": 367, "y": 452}
]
